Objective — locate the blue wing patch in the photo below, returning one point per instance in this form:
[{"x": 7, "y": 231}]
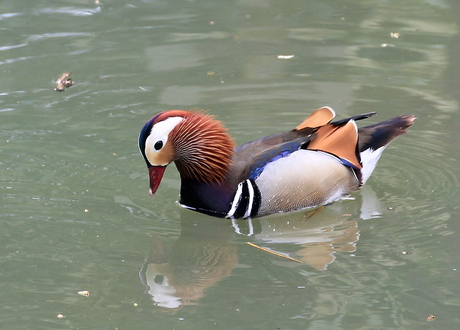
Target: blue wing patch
[{"x": 348, "y": 164}]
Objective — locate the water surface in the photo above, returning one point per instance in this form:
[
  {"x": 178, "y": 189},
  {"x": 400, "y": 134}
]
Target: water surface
[{"x": 75, "y": 213}]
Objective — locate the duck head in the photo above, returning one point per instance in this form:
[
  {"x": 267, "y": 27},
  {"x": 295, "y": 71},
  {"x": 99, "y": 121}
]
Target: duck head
[{"x": 198, "y": 144}]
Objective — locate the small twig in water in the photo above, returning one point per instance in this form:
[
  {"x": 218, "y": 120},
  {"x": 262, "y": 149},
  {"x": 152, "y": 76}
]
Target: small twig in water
[{"x": 273, "y": 252}]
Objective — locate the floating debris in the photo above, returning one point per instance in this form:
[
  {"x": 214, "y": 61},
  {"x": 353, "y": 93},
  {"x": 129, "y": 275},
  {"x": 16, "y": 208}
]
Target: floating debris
[
  {"x": 395, "y": 35},
  {"x": 273, "y": 252},
  {"x": 63, "y": 82},
  {"x": 84, "y": 293},
  {"x": 404, "y": 252},
  {"x": 60, "y": 316},
  {"x": 430, "y": 318},
  {"x": 285, "y": 57}
]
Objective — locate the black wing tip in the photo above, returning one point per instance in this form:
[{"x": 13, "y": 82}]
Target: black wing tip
[
  {"x": 381, "y": 134},
  {"x": 355, "y": 118},
  {"x": 406, "y": 121}
]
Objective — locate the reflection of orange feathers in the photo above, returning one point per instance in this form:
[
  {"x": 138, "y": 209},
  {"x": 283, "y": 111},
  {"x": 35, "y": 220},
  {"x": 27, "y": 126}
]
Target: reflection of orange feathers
[
  {"x": 321, "y": 254},
  {"x": 319, "y": 234},
  {"x": 194, "y": 264},
  {"x": 208, "y": 263}
]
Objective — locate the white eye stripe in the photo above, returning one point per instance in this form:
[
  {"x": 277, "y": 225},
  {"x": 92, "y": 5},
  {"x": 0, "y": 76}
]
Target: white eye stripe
[{"x": 160, "y": 132}]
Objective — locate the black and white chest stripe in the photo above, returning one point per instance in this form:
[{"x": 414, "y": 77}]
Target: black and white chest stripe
[{"x": 246, "y": 201}]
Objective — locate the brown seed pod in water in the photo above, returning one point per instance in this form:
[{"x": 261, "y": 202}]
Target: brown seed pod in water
[{"x": 63, "y": 82}]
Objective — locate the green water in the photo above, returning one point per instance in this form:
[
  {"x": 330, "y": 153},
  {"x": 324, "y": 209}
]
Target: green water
[{"x": 75, "y": 213}]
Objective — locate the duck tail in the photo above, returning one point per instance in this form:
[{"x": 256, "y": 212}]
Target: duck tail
[{"x": 374, "y": 139}]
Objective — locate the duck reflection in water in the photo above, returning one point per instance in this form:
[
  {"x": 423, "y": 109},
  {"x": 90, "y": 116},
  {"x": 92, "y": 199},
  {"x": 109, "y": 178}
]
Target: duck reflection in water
[
  {"x": 205, "y": 254},
  {"x": 200, "y": 257}
]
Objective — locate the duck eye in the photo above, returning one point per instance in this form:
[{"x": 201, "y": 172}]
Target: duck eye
[
  {"x": 159, "y": 279},
  {"x": 158, "y": 145}
]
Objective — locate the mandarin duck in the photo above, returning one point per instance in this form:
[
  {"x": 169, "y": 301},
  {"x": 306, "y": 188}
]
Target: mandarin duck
[{"x": 317, "y": 163}]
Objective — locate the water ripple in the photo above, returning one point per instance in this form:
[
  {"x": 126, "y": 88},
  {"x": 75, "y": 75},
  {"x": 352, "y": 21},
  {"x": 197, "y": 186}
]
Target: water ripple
[
  {"x": 72, "y": 11},
  {"x": 428, "y": 180},
  {"x": 35, "y": 37}
]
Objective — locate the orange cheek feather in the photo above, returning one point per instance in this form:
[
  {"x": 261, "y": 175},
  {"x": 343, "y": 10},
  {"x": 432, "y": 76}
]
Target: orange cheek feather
[{"x": 162, "y": 157}]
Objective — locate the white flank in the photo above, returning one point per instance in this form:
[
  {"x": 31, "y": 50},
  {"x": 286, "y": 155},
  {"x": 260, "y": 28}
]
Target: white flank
[{"x": 369, "y": 159}]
